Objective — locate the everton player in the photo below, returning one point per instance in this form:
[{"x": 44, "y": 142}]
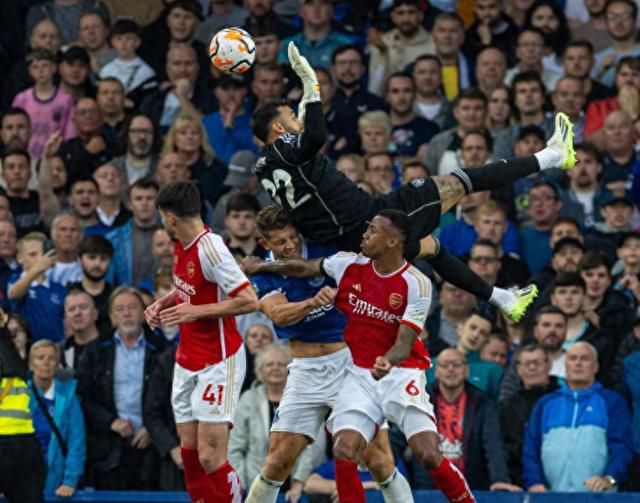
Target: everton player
[
  {"x": 210, "y": 289},
  {"x": 385, "y": 301},
  {"x": 327, "y": 207},
  {"x": 302, "y": 312}
]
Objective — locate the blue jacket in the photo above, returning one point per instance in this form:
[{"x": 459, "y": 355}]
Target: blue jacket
[
  {"x": 227, "y": 141},
  {"x": 120, "y": 270},
  {"x": 631, "y": 380},
  {"x": 70, "y": 421},
  {"x": 574, "y": 435}
]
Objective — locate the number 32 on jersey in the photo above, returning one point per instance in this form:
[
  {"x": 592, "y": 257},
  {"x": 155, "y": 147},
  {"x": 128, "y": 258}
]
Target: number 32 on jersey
[{"x": 282, "y": 182}]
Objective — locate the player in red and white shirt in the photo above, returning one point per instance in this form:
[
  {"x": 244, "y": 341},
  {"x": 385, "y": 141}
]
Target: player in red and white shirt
[
  {"x": 210, "y": 289},
  {"x": 385, "y": 301}
]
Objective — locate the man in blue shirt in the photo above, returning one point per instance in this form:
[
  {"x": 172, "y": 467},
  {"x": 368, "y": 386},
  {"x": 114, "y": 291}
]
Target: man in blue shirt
[
  {"x": 302, "y": 311},
  {"x": 317, "y": 41},
  {"x": 32, "y": 295}
]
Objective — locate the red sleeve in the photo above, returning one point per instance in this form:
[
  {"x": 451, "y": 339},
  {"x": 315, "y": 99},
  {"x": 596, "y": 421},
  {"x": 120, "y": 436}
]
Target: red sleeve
[{"x": 597, "y": 112}]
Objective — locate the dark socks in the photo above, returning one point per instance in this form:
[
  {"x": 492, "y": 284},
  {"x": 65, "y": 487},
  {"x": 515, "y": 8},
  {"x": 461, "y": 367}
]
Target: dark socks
[
  {"x": 454, "y": 271},
  {"x": 496, "y": 174}
]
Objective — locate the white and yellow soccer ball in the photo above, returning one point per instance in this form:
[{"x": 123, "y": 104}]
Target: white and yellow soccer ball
[{"x": 232, "y": 50}]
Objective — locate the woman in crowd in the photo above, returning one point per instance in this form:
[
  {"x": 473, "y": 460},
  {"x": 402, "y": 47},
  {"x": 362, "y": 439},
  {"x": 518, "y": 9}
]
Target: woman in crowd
[
  {"x": 499, "y": 111},
  {"x": 64, "y": 456}
]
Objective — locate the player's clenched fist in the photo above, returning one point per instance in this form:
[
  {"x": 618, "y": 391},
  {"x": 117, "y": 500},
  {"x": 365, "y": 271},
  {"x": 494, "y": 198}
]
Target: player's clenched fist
[
  {"x": 325, "y": 296},
  {"x": 250, "y": 264},
  {"x": 381, "y": 367}
]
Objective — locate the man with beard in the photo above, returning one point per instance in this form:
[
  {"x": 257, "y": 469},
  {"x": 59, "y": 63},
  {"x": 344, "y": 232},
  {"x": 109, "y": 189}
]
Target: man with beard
[
  {"x": 394, "y": 50},
  {"x": 549, "y": 331},
  {"x": 620, "y": 16},
  {"x": 351, "y": 98},
  {"x": 15, "y": 133},
  {"x": 578, "y": 61},
  {"x": 95, "y": 253},
  {"x": 141, "y": 146},
  {"x": 410, "y": 134},
  {"x": 595, "y": 29},
  {"x": 583, "y": 183}
]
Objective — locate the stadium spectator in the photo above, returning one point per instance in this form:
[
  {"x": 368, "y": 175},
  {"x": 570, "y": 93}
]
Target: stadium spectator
[
  {"x": 111, "y": 102},
  {"x": 15, "y": 132},
  {"x": 569, "y": 98},
  {"x": 60, "y": 428},
  {"x": 171, "y": 167},
  {"x": 620, "y": 16},
  {"x": 530, "y": 52},
  {"x": 256, "y": 338},
  {"x": 66, "y": 234},
  {"x": 374, "y": 129},
  {"x": 74, "y": 71},
  {"x": 220, "y": 14},
  {"x": 430, "y": 102},
  {"x": 262, "y": 11},
  {"x": 185, "y": 92},
  {"x": 495, "y": 350},
  {"x": 549, "y": 18},
  {"x": 552, "y": 460},
  {"x": 18, "y": 330},
  {"x": 38, "y": 300},
  {"x": 410, "y": 134},
  {"x": 229, "y": 128},
  {"x": 8, "y": 263},
  {"x": 80, "y": 315},
  {"x": 491, "y": 28},
  {"x": 93, "y": 36},
  {"x": 132, "y": 241},
  {"x": 392, "y": 51},
  {"x": 442, "y": 325},
  {"x": 583, "y": 184},
  {"x": 50, "y": 109},
  {"x": 267, "y": 85},
  {"x": 469, "y": 111},
  {"x": 619, "y": 159},
  {"x": 577, "y": 62},
  {"x": 491, "y": 68},
  {"x": 140, "y": 146},
  {"x": 162, "y": 251},
  {"x": 158, "y": 416},
  {"x": 83, "y": 201},
  {"x": 499, "y": 112},
  {"x": 95, "y": 254},
  {"x": 113, "y": 379},
  {"x": 594, "y": 28},
  {"x": 467, "y": 425},
  {"x": 484, "y": 260},
  {"x": 240, "y": 224},
  {"x": 566, "y": 255},
  {"x": 85, "y": 152},
  {"x": 532, "y": 366},
  {"x": 413, "y": 169},
  {"x": 379, "y": 172},
  {"x": 188, "y": 138},
  {"x": 616, "y": 213},
  {"x": 249, "y": 439},
  {"x": 111, "y": 210}
]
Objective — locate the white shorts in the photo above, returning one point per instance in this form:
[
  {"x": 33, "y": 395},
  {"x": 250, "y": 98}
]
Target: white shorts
[
  {"x": 209, "y": 395},
  {"x": 312, "y": 389},
  {"x": 401, "y": 397}
]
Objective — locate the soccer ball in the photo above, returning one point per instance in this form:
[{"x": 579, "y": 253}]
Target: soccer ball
[{"x": 232, "y": 50}]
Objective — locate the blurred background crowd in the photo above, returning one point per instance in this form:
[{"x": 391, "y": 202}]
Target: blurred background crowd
[{"x": 104, "y": 102}]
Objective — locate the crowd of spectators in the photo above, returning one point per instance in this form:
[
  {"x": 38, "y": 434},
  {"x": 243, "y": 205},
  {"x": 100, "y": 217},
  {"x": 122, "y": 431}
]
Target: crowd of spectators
[{"x": 105, "y": 102}]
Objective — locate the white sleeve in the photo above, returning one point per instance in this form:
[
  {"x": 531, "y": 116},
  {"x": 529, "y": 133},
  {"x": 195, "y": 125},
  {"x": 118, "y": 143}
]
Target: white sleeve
[
  {"x": 219, "y": 266},
  {"x": 418, "y": 299},
  {"x": 335, "y": 265}
]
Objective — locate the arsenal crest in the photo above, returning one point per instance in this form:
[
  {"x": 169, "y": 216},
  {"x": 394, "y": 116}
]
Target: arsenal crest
[
  {"x": 191, "y": 269},
  {"x": 395, "y": 300}
]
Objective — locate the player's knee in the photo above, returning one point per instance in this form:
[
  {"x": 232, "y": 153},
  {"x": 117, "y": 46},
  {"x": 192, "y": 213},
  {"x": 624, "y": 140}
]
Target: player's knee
[
  {"x": 429, "y": 458},
  {"x": 210, "y": 459},
  {"x": 346, "y": 447}
]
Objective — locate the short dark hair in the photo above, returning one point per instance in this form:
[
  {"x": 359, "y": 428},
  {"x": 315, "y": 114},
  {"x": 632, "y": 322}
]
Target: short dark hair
[
  {"x": 263, "y": 117},
  {"x": 631, "y": 61},
  {"x": 581, "y": 42},
  {"x": 13, "y": 112},
  {"x": 485, "y": 242},
  {"x": 630, "y": 3},
  {"x": 399, "y": 220},
  {"x": 344, "y": 48},
  {"x": 627, "y": 236},
  {"x": 182, "y": 198},
  {"x": 16, "y": 151},
  {"x": 449, "y": 16},
  {"x": 83, "y": 179},
  {"x": 273, "y": 218},
  {"x": 530, "y": 348},
  {"x": 531, "y": 130},
  {"x": 98, "y": 245},
  {"x": 426, "y": 57},
  {"x": 263, "y": 27},
  {"x": 242, "y": 201},
  {"x": 591, "y": 149},
  {"x": 470, "y": 93},
  {"x": 410, "y": 3},
  {"x": 41, "y": 55},
  {"x": 401, "y": 75},
  {"x": 545, "y": 183},
  {"x": 144, "y": 183},
  {"x": 481, "y": 132},
  {"x": 268, "y": 67},
  {"x": 528, "y": 76},
  {"x": 549, "y": 310},
  {"x": 564, "y": 219},
  {"x": 124, "y": 26},
  {"x": 569, "y": 279},
  {"x": 592, "y": 260}
]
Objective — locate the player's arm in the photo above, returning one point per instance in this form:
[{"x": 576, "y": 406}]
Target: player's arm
[
  {"x": 398, "y": 353},
  {"x": 152, "y": 313},
  {"x": 297, "y": 268},
  {"x": 283, "y": 313}
]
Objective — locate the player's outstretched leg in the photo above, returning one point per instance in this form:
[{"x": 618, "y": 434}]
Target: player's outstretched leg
[
  {"x": 513, "y": 302},
  {"x": 379, "y": 460},
  {"x": 559, "y": 153},
  {"x": 284, "y": 449},
  {"x": 446, "y": 476}
]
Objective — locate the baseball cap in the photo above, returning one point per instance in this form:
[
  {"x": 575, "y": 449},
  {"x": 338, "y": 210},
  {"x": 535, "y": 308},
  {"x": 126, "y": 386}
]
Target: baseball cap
[
  {"x": 228, "y": 80},
  {"x": 567, "y": 241},
  {"x": 74, "y": 53},
  {"x": 240, "y": 168},
  {"x": 613, "y": 199}
]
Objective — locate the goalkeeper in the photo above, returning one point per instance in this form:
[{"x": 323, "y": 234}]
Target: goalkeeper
[{"x": 327, "y": 207}]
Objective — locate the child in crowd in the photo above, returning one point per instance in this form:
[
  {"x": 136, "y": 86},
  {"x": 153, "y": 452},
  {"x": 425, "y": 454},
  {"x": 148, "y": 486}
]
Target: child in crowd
[{"x": 50, "y": 109}]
